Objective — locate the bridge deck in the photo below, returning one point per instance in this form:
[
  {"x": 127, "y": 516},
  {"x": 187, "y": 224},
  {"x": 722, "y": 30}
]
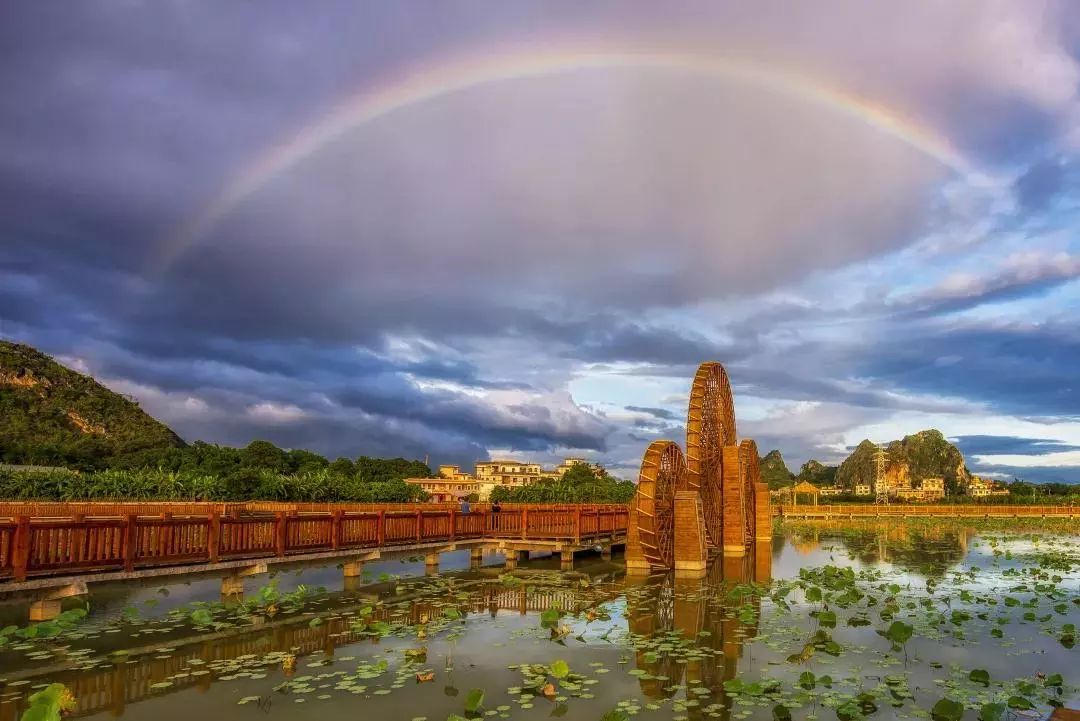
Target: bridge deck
[{"x": 132, "y": 545}]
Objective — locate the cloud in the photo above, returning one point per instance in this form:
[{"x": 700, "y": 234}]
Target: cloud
[
  {"x": 1017, "y": 276},
  {"x": 661, "y": 413},
  {"x": 438, "y": 280},
  {"x": 276, "y": 413},
  {"x": 985, "y": 445}
]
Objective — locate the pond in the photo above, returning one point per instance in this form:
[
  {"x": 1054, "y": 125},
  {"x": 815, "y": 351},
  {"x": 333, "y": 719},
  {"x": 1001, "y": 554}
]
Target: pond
[{"x": 904, "y": 620}]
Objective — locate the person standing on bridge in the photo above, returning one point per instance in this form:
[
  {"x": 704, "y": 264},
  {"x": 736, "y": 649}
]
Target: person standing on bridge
[{"x": 465, "y": 504}]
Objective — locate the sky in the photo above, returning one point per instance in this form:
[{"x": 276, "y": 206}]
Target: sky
[{"x": 462, "y": 230}]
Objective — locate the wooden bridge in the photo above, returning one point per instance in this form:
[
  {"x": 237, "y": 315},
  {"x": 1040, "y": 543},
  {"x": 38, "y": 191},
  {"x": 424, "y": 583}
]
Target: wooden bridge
[
  {"x": 55, "y": 555},
  {"x": 943, "y": 510}
]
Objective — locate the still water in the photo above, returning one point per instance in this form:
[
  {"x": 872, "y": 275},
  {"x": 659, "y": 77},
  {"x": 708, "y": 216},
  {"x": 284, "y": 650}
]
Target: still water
[{"x": 827, "y": 622}]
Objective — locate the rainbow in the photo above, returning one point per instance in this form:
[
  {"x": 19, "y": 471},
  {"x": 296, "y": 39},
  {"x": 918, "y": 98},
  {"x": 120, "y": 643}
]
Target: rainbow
[{"x": 434, "y": 82}]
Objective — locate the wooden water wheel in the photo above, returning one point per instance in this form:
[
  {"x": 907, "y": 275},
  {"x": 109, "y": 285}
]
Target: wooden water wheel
[
  {"x": 750, "y": 473},
  {"x": 710, "y": 425},
  {"x": 663, "y": 471}
]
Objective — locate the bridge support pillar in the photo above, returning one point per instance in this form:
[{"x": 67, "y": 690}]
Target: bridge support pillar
[
  {"x": 605, "y": 552},
  {"x": 45, "y": 610},
  {"x": 431, "y": 564},
  {"x": 353, "y": 569},
  {"x": 233, "y": 584},
  {"x": 566, "y": 560},
  {"x": 47, "y": 607},
  {"x": 476, "y": 558}
]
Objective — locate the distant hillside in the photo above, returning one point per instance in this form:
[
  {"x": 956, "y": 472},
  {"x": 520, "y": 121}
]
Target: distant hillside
[
  {"x": 50, "y": 414},
  {"x": 774, "y": 471},
  {"x": 925, "y": 454},
  {"x": 817, "y": 473}
]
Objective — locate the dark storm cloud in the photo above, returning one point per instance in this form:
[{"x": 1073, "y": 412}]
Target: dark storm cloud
[
  {"x": 430, "y": 284},
  {"x": 1015, "y": 369},
  {"x": 1038, "y": 474},
  {"x": 1010, "y": 445},
  {"x": 661, "y": 413}
]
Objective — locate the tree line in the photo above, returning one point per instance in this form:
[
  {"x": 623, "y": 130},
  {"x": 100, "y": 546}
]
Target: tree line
[
  {"x": 209, "y": 472},
  {"x": 580, "y": 484}
]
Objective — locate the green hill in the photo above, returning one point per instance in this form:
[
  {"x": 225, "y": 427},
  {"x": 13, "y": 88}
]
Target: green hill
[
  {"x": 925, "y": 454},
  {"x": 818, "y": 473},
  {"x": 774, "y": 471},
  {"x": 51, "y": 415}
]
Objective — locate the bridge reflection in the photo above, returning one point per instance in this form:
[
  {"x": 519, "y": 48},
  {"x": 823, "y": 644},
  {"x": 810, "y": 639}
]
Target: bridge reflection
[
  {"x": 656, "y": 604},
  {"x": 135, "y": 676}
]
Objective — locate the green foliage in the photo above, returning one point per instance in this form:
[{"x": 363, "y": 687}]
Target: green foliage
[
  {"x": 774, "y": 471},
  {"x": 899, "y": 632},
  {"x": 52, "y": 416},
  {"x": 474, "y": 700},
  {"x": 155, "y": 484},
  {"x": 817, "y": 473},
  {"x": 947, "y": 710},
  {"x": 384, "y": 470},
  {"x": 580, "y": 484},
  {"x": 49, "y": 704}
]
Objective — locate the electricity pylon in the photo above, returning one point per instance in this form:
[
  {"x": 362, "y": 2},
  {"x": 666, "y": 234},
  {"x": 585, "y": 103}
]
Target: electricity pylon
[{"x": 881, "y": 483}]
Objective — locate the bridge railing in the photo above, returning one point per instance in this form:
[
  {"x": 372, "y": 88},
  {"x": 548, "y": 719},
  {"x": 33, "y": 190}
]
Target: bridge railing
[{"x": 63, "y": 546}]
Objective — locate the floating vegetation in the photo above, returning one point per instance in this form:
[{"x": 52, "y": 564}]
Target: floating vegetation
[{"x": 949, "y": 622}]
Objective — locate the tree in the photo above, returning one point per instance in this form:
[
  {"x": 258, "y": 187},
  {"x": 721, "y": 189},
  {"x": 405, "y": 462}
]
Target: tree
[
  {"x": 264, "y": 454},
  {"x": 301, "y": 461},
  {"x": 343, "y": 467}
]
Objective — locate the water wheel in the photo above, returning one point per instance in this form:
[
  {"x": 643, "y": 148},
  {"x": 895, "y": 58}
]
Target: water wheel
[
  {"x": 710, "y": 425},
  {"x": 750, "y": 473},
  {"x": 663, "y": 471}
]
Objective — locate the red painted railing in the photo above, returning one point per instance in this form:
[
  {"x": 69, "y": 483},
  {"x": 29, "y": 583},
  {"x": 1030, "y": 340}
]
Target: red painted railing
[{"x": 78, "y": 544}]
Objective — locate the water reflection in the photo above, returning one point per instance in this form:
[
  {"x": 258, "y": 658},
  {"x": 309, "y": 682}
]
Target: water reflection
[
  {"x": 682, "y": 639},
  {"x": 180, "y": 659},
  {"x": 719, "y": 613},
  {"x": 927, "y": 550}
]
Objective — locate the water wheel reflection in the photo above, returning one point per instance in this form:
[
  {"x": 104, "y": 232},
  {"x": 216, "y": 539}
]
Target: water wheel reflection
[{"x": 691, "y": 633}]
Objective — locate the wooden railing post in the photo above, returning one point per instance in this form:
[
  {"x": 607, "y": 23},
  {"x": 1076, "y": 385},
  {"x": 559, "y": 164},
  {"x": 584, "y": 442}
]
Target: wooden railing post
[
  {"x": 21, "y": 548},
  {"x": 419, "y": 525},
  {"x": 577, "y": 525},
  {"x": 381, "y": 529},
  {"x": 81, "y": 547},
  {"x": 453, "y": 524},
  {"x": 213, "y": 536},
  {"x": 280, "y": 532},
  {"x": 525, "y": 522},
  {"x": 131, "y": 539},
  {"x": 335, "y": 530}
]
